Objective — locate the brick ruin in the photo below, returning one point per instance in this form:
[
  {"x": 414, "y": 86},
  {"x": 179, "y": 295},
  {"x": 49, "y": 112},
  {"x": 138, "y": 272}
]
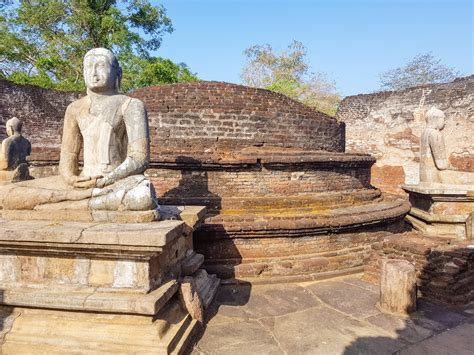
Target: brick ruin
[
  {"x": 382, "y": 124},
  {"x": 285, "y": 200}
]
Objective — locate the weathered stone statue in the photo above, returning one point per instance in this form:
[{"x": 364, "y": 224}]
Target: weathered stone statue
[
  {"x": 86, "y": 246},
  {"x": 442, "y": 202},
  {"x": 14, "y": 150},
  {"x": 434, "y": 165},
  {"x": 112, "y": 130}
]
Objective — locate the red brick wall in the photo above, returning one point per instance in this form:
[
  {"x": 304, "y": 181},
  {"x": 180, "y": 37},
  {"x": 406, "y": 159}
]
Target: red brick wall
[
  {"x": 219, "y": 117},
  {"x": 42, "y": 111},
  {"x": 214, "y": 187}
]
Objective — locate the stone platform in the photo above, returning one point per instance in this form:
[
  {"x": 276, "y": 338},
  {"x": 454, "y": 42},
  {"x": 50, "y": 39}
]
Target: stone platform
[
  {"x": 85, "y": 287},
  {"x": 329, "y": 317},
  {"x": 442, "y": 210}
]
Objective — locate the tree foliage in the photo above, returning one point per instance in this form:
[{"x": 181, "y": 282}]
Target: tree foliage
[
  {"x": 44, "y": 41},
  {"x": 288, "y": 73},
  {"x": 421, "y": 70}
]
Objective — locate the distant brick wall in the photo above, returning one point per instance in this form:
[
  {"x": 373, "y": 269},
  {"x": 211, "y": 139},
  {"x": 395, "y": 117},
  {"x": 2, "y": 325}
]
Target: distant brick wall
[
  {"x": 42, "y": 110},
  {"x": 382, "y": 124}
]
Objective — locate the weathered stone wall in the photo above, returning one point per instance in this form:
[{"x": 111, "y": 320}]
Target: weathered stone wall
[
  {"x": 445, "y": 269},
  {"x": 382, "y": 124}
]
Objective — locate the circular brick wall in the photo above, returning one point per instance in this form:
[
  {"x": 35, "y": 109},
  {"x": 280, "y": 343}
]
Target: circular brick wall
[{"x": 221, "y": 118}]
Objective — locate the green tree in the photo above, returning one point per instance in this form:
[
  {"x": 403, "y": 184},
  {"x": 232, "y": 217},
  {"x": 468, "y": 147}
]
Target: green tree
[
  {"x": 288, "y": 73},
  {"x": 420, "y": 70},
  {"x": 43, "y": 41}
]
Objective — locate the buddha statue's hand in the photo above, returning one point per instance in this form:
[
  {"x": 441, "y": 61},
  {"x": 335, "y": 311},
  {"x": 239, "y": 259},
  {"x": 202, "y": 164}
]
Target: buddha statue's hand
[
  {"x": 104, "y": 181},
  {"x": 86, "y": 182},
  {"x": 100, "y": 183}
]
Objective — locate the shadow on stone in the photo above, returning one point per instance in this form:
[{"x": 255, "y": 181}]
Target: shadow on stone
[
  {"x": 193, "y": 189},
  {"x": 6, "y": 319},
  {"x": 227, "y": 302},
  {"x": 437, "y": 280}
]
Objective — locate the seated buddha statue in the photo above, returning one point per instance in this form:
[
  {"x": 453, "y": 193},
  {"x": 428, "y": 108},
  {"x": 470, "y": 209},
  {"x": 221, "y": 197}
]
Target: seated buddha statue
[
  {"x": 112, "y": 131},
  {"x": 434, "y": 165},
  {"x": 13, "y": 153}
]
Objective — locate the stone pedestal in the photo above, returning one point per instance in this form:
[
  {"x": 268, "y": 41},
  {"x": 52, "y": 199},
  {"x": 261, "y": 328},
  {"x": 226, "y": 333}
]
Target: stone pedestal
[
  {"x": 99, "y": 287},
  {"x": 398, "y": 287},
  {"x": 441, "y": 210}
]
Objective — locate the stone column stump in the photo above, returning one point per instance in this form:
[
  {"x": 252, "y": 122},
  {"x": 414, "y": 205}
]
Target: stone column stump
[{"x": 398, "y": 287}]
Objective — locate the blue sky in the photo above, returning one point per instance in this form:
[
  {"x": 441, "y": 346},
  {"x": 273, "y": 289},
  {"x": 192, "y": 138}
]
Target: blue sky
[{"x": 352, "y": 41}]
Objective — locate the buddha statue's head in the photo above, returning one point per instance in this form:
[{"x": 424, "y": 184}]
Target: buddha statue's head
[
  {"x": 435, "y": 118},
  {"x": 102, "y": 72},
  {"x": 13, "y": 126}
]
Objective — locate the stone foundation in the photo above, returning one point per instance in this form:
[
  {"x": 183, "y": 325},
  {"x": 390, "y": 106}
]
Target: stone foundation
[
  {"x": 99, "y": 287},
  {"x": 445, "y": 267},
  {"x": 442, "y": 210}
]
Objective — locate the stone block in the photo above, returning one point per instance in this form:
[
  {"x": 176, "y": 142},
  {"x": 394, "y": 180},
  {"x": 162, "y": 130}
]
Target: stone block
[
  {"x": 398, "y": 287},
  {"x": 61, "y": 270},
  {"x": 101, "y": 273},
  {"x": 9, "y": 268}
]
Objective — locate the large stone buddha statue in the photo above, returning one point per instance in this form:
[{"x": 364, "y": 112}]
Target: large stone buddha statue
[
  {"x": 434, "y": 165},
  {"x": 112, "y": 130}
]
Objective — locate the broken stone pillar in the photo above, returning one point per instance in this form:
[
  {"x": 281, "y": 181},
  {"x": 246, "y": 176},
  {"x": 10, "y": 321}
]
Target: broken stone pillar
[{"x": 398, "y": 287}]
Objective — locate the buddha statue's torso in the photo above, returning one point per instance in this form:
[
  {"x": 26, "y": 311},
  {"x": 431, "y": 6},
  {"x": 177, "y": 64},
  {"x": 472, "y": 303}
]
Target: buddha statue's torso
[
  {"x": 18, "y": 149},
  {"x": 103, "y": 133},
  {"x": 431, "y": 148}
]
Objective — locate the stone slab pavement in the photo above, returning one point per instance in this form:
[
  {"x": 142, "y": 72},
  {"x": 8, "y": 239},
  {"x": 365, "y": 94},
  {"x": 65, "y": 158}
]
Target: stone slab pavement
[{"x": 338, "y": 316}]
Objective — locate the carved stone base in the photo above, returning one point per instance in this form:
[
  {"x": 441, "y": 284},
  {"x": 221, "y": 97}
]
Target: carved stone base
[
  {"x": 441, "y": 210},
  {"x": 61, "y": 332},
  {"x": 72, "y": 287}
]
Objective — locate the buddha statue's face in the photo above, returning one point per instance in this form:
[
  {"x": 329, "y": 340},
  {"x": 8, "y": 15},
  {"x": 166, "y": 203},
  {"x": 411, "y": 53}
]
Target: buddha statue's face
[
  {"x": 435, "y": 118},
  {"x": 13, "y": 126},
  {"x": 99, "y": 73}
]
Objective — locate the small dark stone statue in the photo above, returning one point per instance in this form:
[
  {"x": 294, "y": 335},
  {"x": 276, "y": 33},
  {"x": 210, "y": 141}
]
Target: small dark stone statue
[{"x": 15, "y": 148}]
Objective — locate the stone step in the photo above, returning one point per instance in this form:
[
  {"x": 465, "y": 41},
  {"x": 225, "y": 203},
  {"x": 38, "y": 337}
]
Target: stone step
[
  {"x": 89, "y": 298},
  {"x": 192, "y": 263},
  {"x": 62, "y": 332},
  {"x": 206, "y": 286}
]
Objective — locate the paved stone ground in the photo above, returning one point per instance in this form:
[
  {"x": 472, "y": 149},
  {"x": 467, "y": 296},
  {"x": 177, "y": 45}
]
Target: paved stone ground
[{"x": 328, "y": 317}]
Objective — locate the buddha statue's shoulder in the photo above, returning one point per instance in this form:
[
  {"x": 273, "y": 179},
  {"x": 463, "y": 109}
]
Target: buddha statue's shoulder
[
  {"x": 132, "y": 104},
  {"x": 78, "y": 105},
  {"x": 129, "y": 99}
]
